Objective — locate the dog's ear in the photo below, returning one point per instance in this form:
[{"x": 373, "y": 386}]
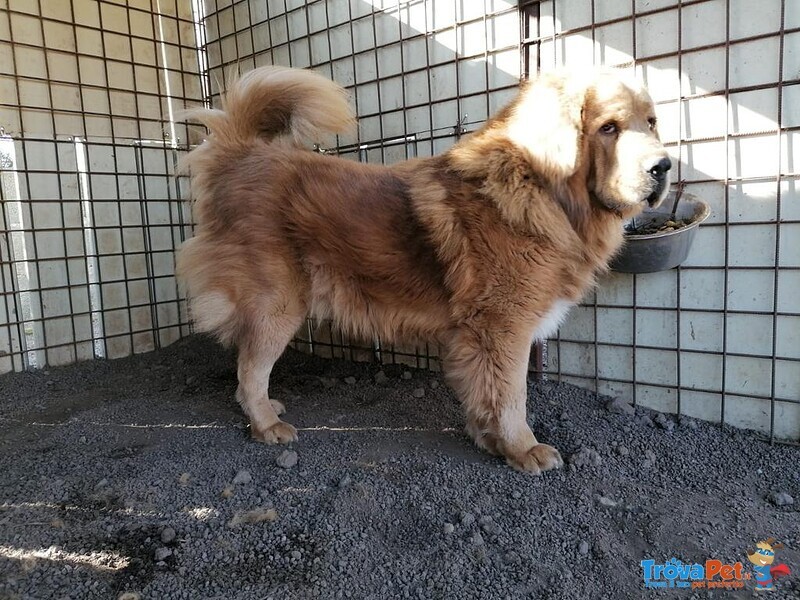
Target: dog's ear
[
  {"x": 547, "y": 121},
  {"x": 573, "y": 197}
]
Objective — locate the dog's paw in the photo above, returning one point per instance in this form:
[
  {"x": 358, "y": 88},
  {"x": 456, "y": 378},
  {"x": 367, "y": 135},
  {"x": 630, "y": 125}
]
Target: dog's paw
[
  {"x": 278, "y": 433},
  {"x": 278, "y": 407},
  {"x": 538, "y": 458}
]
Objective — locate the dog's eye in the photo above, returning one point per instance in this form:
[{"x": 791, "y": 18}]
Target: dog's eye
[
  {"x": 609, "y": 128},
  {"x": 652, "y": 122}
]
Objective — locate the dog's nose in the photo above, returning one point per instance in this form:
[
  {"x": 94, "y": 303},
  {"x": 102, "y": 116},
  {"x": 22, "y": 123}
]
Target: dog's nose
[{"x": 659, "y": 170}]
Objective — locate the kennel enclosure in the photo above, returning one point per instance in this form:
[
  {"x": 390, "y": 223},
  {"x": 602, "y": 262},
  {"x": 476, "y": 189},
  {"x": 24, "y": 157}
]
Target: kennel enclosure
[{"x": 92, "y": 210}]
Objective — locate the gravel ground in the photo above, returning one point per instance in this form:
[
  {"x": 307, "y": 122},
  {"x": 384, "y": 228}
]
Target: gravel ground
[{"x": 137, "y": 479}]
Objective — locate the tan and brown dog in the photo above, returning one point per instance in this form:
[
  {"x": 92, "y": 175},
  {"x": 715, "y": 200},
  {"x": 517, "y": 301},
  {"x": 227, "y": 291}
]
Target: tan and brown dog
[{"x": 482, "y": 249}]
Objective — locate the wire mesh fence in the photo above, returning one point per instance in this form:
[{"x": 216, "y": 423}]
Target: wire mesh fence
[
  {"x": 718, "y": 338},
  {"x": 90, "y": 94},
  {"x": 92, "y": 210}
]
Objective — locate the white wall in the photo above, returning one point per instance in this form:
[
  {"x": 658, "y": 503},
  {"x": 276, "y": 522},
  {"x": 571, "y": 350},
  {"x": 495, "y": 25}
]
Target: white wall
[
  {"x": 414, "y": 68},
  {"x": 91, "y": 210}
]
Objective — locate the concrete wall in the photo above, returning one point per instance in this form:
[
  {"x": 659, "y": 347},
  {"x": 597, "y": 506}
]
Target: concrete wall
[{"x": 91, "y": 210}]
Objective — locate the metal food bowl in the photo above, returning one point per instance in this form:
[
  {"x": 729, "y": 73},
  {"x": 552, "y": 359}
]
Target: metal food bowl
[{"x": 653, "y": 252}]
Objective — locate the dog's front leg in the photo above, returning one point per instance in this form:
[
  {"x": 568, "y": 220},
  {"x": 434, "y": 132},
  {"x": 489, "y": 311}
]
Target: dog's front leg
[{"x": 489, "y": 374}]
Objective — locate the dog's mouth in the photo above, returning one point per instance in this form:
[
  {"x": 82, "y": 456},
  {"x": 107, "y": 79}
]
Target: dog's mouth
[
  {"x": 653, "y": 200},
  {"x": 657, "y": 195}
]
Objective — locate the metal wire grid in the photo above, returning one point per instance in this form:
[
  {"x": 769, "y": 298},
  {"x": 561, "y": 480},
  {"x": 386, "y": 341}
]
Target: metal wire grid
[
  {"x": 92, "y": 211},
  {"x": 779, "y": 354},
  {"x": 409, "y": 92},
  {"x": 419, "y": 78},
  {"x": 399, "y": 125}
]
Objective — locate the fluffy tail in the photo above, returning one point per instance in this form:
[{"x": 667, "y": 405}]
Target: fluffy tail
[{"x": 275, "y": 101}]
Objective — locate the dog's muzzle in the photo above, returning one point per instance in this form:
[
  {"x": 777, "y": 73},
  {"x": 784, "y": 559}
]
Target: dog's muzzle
[{"x": 658, "y": 173}]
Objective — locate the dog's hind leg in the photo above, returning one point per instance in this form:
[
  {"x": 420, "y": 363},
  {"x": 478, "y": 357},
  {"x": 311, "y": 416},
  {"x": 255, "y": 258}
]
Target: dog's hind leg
[
  {"x": 263, "y": 340},
  {"x": 490, "y": 378}
]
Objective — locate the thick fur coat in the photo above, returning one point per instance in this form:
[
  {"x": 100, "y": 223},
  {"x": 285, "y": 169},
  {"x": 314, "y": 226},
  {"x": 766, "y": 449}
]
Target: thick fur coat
[{"x": 482, "y": 249}]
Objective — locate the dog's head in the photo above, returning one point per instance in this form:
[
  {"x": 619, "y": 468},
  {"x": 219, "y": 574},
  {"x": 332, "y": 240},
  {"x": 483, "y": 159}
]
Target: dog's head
[{"x": 593, "y": 133}]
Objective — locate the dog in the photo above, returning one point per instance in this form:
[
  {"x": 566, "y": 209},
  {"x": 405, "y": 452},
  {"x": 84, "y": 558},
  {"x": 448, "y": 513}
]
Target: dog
[{"x": 482, "y": 249}]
